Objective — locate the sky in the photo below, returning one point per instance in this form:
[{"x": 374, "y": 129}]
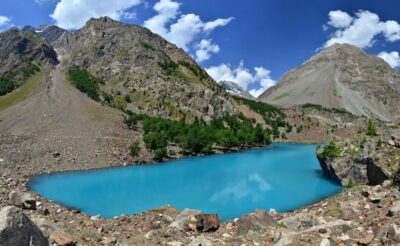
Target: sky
[{"x": 252, "y": 43}]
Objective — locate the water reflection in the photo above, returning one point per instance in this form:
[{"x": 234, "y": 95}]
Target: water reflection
[{"x": 253, "y": 187}]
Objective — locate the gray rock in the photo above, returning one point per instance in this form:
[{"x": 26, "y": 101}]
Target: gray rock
[
  {"x": 17, "y": 229},
  {"x": 22, "y": 199},
  {"x": 361, "y": 170},
  {"x": 200, "y": 241},
  {"x": 256, "y": 221},
  {"x": 183, "y": 217}
]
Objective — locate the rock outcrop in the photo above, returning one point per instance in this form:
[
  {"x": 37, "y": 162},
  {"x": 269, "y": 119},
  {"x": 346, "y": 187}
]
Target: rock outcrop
[
  {"x": 19, "y": 49},
  {"x": 358, "y": 170},
  {"x": 17, "y": 229}
]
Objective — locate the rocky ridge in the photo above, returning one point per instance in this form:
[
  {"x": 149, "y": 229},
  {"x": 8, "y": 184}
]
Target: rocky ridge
[
  {"x": 341, "y": 76},
  {"x": 159, "y": 78},
  {"x": 235, "y": 90}
]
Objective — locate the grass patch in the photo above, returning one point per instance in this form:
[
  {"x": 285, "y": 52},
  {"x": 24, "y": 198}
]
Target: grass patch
[
  {"x": 23, "y": 92},
  {"x": 148, "y": 46},
  {"x": 322, "y": 108},
  {"x": 281, "y": 96}
]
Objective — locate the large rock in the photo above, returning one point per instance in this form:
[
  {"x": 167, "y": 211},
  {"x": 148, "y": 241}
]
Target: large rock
[
  {"x": 183, "y": 217},
  {"x": 361, "y": 170},
  {"x": 200, "y": 241},
  {"x": 22, "y": 199},
  {"x": 17, "y": 229},
  {"x": 62, "y": 239},
  {"x": 256, "y": 221},
  {"x": 203, "y": 223}
]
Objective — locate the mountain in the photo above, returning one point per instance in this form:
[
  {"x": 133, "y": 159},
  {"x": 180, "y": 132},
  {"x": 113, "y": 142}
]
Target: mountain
[
  {"x": 341, "y": 76},
  {"x": 21, "y": 54},
  {"x": 235, "y": 89},
  {"x": 142, "y": 72},
  {"x": 47, "y": 32}
]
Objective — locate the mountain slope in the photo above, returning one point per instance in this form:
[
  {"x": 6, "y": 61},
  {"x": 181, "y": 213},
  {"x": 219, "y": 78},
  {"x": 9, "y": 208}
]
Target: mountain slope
[
  {"x": 235, "y": 89},
  {"x": 143, "y": 72},
  {"x": 341, "y": 76}
]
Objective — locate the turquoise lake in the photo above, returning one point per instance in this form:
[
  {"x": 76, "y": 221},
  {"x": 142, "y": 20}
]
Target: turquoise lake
[{"x": 283, "y": 177}]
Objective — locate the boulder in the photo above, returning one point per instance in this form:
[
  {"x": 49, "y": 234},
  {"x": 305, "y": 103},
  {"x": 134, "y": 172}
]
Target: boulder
[
  {"x": 203, "y": 223},
  {"x": 200, "y": 241},
  {"x": 183, "y": 217},
  {"x": 62, "y": 239},
  {"x": 22, "y": 199},
  {"x": 45, "y": 226},
  {"x": 361, "y": 170},
  {"x": 17, "y": 229},
  {"x": 256, "y": 221}
]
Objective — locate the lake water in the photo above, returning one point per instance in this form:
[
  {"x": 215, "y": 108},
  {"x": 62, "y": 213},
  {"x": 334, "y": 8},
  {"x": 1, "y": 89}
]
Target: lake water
[{"x": 285, "y": 177}]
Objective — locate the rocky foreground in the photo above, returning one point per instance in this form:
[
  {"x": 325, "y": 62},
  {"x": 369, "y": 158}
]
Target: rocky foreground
[{"x": 361, "y": 215}]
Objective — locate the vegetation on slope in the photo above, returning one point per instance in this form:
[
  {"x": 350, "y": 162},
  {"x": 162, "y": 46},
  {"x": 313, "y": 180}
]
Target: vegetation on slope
[
  {"x": 11, "y": 81},
  {"x": 273, "y": 116},
  {"x": 85, "y": 82},
  {"x": 322, "y": 108},
  {"x": 23, "y": 92},
  {"x": 198, "y": 137}
]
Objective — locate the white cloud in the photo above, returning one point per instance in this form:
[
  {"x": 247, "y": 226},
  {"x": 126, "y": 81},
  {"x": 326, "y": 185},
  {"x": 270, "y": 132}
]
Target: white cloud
[
  {"x": 392, "y": 58},
  {"x": 5, "y": 22},
  {"x": 184, "y": 30},
  {"x": 204, "y": 50},
  {"x": 260, "y": 78},
  {"x": 339, "y": 19},
  {"x": 360, "y": 30},
  {"x": 72, "y": 14}
]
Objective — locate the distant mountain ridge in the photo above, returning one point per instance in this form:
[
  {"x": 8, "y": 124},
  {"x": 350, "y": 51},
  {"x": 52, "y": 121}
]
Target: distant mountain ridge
[
  {"x": 341, "y": 76},
  {"x": 235, "y": 89}
]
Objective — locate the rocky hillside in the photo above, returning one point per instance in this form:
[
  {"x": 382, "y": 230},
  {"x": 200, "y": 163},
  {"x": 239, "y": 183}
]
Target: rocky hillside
[
  {"x": 143, "y": 72},
  {"x": 235, "y": 89},
  {"x": 341, "y": 76},
  {"x": 21, "y": 55},
  {"x": 47, "y": 32}
]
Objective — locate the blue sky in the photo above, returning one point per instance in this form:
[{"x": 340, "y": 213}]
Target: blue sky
[{"x": 250, "y": 42}]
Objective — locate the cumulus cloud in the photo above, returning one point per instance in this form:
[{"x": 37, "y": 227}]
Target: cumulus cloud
[
  {"x": 5, "y": 22},
  {"x": 392, "y": 58},
  {"x": 360, "y": 30},
  {"x": 185, "y": 30},
  {"x": 204, "y": 50},
  {"x": 259, "y": 78},
  {"x": 72, "y": 14},
  {"x": 339, "y": 19}
]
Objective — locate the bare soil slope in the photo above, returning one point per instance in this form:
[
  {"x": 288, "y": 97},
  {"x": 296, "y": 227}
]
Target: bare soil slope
[
  {"x": 341, "y": 76},
  {"x": 59, "y": 125}
]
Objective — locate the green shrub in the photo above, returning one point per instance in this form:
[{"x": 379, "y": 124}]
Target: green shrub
[
  {"x": 159, "y": 154},
  {"x": 6, "y": 85},
  {"x": 134, "y": 148},
  {"x": 371, "y": 130},
  {"x": 85, "y": 82},
  {"x": 350, "y": 183},
  {"x": 330, "y": 150}
]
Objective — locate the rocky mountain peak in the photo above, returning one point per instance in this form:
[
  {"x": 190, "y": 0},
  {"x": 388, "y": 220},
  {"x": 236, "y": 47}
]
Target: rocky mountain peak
[{"x": 341, "y": 76}]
